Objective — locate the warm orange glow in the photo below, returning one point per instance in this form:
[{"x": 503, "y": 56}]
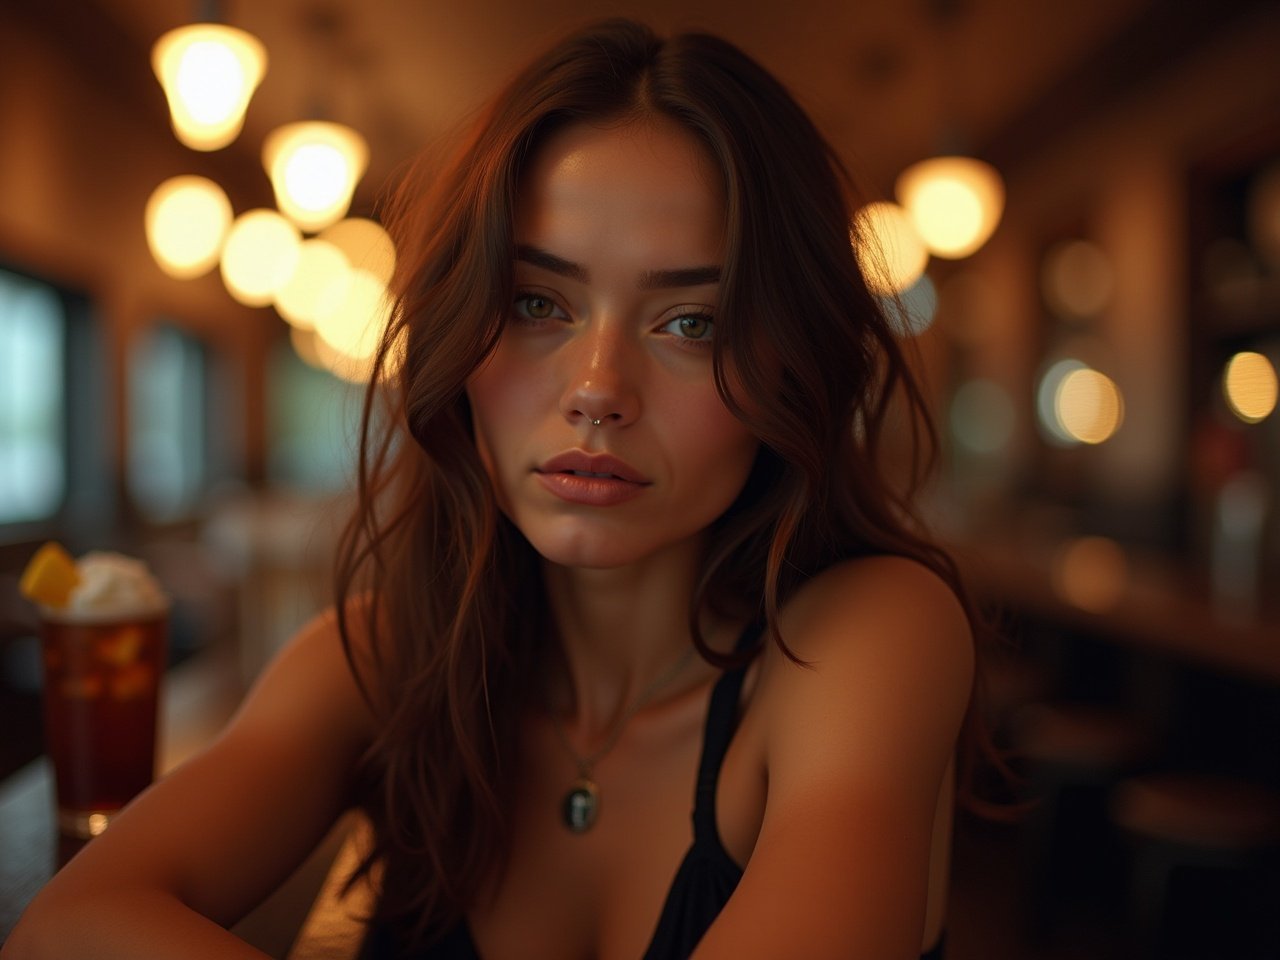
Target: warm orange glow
[
  {"x": 1088, "y": 406},
  {"x": 954, "y": 202},
  {"x": 1250, "y": 386},
  {"x": 1076, "y": 279},
  {"x": 1092, "y": 573},
  {"x": 890, "y": 252},
  {"x": 209, "y": 72}
]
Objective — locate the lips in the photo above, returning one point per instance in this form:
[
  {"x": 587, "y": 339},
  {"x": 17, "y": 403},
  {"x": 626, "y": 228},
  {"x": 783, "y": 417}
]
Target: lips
[
  {"x": 594, "y": 480},
  {"x": 598, "y": 465}
]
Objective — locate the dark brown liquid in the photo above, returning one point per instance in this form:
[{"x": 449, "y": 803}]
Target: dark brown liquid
[{"x": 101, "y": 684}]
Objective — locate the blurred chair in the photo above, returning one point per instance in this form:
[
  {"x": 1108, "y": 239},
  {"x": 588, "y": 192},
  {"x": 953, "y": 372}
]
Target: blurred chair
[
  {"x": 1073, "y": 756},
  {"x": 1204, "y": 867}
]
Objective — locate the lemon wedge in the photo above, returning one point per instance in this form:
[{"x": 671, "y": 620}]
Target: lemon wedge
[{"x": 50, "y": 576}]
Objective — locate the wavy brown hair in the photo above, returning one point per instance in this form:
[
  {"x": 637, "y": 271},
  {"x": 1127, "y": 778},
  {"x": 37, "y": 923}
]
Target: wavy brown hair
[{"x": 449, "y": 593}]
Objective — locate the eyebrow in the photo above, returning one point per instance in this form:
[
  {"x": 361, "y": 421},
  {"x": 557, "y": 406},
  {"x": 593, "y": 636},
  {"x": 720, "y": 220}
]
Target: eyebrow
[{"x": 649, "y": 280}]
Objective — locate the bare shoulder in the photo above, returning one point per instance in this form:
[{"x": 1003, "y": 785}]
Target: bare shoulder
[
  {"x": 888, "y": 647},
  {"x": 313, "y": 680},
  {"x": 856, "y": 744},
  {"x": 878, "y": 607}
]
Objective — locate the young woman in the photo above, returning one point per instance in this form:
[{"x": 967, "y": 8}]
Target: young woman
[{"x": 625, "y": 550}]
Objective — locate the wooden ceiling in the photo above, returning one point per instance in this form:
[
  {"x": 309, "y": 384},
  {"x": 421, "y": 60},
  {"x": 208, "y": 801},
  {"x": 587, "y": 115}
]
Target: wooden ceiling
[{"x": 886, "y": 80}]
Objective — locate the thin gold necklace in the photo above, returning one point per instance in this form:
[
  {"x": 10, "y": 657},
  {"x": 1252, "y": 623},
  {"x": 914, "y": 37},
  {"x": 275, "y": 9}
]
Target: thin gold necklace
[{"x": 581, "y": 805}]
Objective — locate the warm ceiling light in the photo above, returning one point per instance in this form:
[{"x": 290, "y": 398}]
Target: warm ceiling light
[
  {"x": 259, "y": 256},
  {"x": 366, "y": 245},
  {"x": 187, "y": 220},
  {"x": 318, "y": 285},
  {"x": 1088, "y": 406},
  {"x": 954, "y": 202},
  {"x": 1250, "y": 385},
  {"x": 314, "y": 167},
  {"x": 208, "y": 71},
  {"x": 355, "y": 327},
  {"x": 890, "y": 252}
]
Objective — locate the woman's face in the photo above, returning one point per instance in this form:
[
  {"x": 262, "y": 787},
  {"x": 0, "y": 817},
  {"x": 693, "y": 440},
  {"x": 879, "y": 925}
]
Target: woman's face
[{"x": 619, "y": 243}]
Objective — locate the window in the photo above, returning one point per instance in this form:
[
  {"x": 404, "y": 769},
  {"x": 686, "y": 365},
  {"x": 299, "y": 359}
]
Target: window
[
  {"x": 167, "y": 464},
  {"x": 33, "y": 461},
  {"x": 313, "y": 425}
]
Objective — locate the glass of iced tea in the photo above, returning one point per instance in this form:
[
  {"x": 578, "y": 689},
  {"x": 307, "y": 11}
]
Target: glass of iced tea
[{"x": 104, "y": 653}]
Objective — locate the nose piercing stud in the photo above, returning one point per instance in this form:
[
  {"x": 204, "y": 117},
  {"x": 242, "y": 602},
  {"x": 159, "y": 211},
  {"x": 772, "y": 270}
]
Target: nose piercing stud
[{"x": 594, "y": 423}]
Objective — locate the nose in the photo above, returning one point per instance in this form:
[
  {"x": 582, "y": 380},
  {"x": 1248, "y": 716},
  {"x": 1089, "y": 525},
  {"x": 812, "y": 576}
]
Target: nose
[{"x": 601, "y": 377}]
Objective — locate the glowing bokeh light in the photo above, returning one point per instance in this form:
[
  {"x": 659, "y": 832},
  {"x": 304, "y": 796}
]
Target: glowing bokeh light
[
  {"x": 1076, "y": 279},
  {"x": 913, "y": 312},
  {"x": 209, "y": 72},
  {"x": 1250, "y": 386},
  {"x": 1046, "y": 399},
  {"x": 305, "y": 344},
  {"x": 314, "y": 167},
  {"x": 187, "y": 219},
  {"x": 1092, "y": 573},
  {"x": 890, "y": 252},
  {"x": 355, "y": 326},
  {"x": 317, "y": 287},
  {"x": 259, "y": 256},
  {"x": 982, "y": 417},
  {"x": 366, "y": 245},
  {"x": 1088, "y": 406},
  {"x": 954, "y": 202}
]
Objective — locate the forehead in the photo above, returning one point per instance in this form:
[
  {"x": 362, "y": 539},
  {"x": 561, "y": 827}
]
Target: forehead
[{"x": 644, "y": 186}]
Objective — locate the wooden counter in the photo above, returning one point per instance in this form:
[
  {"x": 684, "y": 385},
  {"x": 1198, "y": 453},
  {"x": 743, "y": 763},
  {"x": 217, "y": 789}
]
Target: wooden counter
[{"x": 1155, "y": 605}]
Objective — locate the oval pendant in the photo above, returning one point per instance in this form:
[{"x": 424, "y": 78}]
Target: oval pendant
[{"x": 581, "y": 806}]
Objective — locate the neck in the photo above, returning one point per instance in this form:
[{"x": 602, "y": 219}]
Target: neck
[{"x": 622, "y": 629}]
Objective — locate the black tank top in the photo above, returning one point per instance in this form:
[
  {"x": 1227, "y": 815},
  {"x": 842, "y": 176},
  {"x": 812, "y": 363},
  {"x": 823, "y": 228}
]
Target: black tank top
[{"x": 707, "y": 875}]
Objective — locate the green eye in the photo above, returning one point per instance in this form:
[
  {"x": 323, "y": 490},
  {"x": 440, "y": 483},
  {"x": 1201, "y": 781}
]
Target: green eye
[
  {"x": 539, "y": 308},
  {"x": 694, "y": 326}
]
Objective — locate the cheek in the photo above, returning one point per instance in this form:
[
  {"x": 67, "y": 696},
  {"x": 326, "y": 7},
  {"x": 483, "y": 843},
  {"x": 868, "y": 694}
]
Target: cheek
[{"x": 720, "y": 444}]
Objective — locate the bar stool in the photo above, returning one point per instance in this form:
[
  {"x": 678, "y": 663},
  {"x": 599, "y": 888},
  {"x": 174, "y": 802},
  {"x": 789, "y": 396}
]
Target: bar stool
[
  {"x": 1205, "y": 865},
  {"x": 1074, "y": 755}
]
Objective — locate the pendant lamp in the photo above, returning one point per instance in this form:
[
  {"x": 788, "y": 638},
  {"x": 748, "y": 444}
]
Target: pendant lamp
[
  {"x": 314, "y": 166},
  {"x": 955, "y": 203},
  {"x": 209, "y": 72}
]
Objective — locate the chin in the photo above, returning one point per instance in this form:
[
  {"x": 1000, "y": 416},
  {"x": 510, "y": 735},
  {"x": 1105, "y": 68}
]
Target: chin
[{"x": 591, "y": 552}]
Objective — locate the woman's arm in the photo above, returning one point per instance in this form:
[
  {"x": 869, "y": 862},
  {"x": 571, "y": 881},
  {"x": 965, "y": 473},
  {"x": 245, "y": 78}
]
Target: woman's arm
[
  {"x": 202, "y": 847},
  {"x": 856, "y": 751}
]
